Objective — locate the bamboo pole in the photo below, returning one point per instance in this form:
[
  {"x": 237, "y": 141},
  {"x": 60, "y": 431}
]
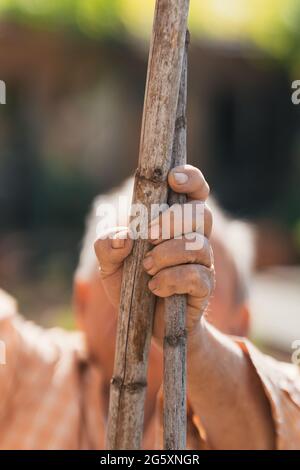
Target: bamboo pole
[
  {"x": 175, "y": 307},
  {"x": 137, "y": 303}
]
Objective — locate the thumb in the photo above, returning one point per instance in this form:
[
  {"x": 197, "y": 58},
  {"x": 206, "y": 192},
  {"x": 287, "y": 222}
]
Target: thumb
[
  {"x": 112, "y": 249},
  {"x": 111, "y": 252}
]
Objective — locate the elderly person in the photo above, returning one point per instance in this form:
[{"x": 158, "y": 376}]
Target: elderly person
[{"x": 54, "y": 386}]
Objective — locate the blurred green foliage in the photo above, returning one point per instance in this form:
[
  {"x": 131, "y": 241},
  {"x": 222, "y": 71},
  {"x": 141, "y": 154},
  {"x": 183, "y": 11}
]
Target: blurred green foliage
[{"x": 271, "y": 24}]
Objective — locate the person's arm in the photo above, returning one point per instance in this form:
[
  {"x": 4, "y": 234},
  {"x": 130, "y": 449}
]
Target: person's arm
[{"x": 225, "y": 391}]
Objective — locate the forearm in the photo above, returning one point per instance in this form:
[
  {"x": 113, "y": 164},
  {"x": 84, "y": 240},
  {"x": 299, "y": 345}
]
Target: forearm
[{"x": 226, "y": 393}]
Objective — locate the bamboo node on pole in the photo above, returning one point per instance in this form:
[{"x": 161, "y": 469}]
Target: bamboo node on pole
[
  {"x": 175, "y": 340},
  {"x": 131, "y": 387},
  {"x": 180, "y": 123},
  {"x": 157, "y": 177}
]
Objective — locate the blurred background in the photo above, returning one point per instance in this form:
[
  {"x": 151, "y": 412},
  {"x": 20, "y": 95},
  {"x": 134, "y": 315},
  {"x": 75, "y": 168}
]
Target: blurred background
[{"x": 75, "y": 74}]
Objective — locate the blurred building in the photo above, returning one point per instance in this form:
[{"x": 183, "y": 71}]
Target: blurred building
[{"x": 71, "y": 125}]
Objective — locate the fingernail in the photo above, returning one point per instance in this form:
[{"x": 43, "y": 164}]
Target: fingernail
[
  {"x": 148, "y": 263},
  {"x": 118, "y": 243},
  {"x": 181, "y": 178}
]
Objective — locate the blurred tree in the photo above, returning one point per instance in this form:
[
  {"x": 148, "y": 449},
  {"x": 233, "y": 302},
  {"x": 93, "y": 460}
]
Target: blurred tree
[{"x": 270, "y": 24}]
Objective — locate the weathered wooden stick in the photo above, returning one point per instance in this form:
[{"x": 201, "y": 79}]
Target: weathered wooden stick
[
  {"x": 175, "y": 307},
  {"x": 128, "y": 385}
]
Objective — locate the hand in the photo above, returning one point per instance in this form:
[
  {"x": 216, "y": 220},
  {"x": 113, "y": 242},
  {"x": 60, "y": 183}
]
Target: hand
[{"x": 174, "y": 268}]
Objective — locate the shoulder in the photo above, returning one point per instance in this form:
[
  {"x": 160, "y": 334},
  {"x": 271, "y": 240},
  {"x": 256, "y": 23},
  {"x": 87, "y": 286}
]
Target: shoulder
[
  {"x": 49, "y": 344},
  {"x": 281, "y": 383}
]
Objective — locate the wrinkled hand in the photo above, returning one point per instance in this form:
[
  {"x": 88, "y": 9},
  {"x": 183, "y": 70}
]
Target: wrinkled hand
[{"x": 174, "y": 267}]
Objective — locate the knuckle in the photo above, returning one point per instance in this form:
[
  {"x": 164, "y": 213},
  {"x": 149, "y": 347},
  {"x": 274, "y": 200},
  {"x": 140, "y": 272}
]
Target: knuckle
[
  {"x": 203, "y": 185},
  {"x": 202, "y": 254},
  {"x": 205, "y": 287},
  {"x": 202, "y": 281},
  {"x": 194, "y": 275},
  {"x": 210, "y": 280},
  {"x": 209, "y": 255}
]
